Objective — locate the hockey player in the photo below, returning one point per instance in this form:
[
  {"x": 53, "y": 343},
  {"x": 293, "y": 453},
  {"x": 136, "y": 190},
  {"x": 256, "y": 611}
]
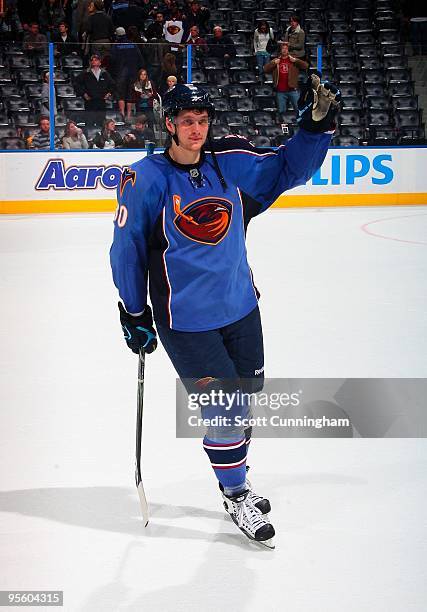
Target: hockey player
[{"x": 181, "y": 222}]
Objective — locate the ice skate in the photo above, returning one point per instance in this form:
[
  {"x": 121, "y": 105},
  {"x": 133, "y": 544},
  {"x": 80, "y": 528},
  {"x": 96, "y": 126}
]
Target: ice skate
[
  {"x": 249, "y": 519},
  {"x": 262, "y": 503}
]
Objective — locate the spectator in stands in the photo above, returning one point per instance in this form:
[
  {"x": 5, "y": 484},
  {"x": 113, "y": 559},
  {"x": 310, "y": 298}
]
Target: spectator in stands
[
  {"x": 10, "y": 24},
  {"x": 125, "y": 61},
  {"x": 96, "y": 86},
  {"x": 80, "y": 17},
  {"x": 285, "y": 69},
  {"x": 108, "y": 138},
  {"x": 65, "y": 43},
  {"x": 156, "y": 29},
  {"x": 416, "y": 12},
  {"x": 51, "y": 14},
  {"x": 73, "y": 137},
  {"x": 262, "y": 35},
  {"x": 99, "y": 29},
  {"x": 144, "y": 95},
  {"x": 68, "y": 6},
  {"x": 173, "y": 33},
  {"x": 45, "y": 95},
  {"x": 295, "y": 36},
  {"x": 28, "y": 11},
  {"x": 154, "y": 53},
  {"x": 34, "y": 42},
  {"x": 126, "y": 14},
  {"x": 222, "y": 46},
  {"x": 200, "y": 44},
  {"x": 171, "y": 81},
  {"x": 41, "y": 139},
  {"x": 141, "y": 134},
  {"x": 169, "y": 69},
  {"x": 135, "y": 36},
  {"x": 197, "y": 16}
]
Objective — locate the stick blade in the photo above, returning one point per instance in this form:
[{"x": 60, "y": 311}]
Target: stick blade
[{"x": 144, "y": 504}]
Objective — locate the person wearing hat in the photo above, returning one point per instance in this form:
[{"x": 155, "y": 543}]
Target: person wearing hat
[
  {"x": 95, "y": 85},
  {"x": 180, "y": 226},
  {"x": 125, "y": 61},
  {"x": 197, "y": 16}
]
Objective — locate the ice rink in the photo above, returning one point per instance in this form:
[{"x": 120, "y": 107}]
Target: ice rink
[{"x": 344, "y": 294}]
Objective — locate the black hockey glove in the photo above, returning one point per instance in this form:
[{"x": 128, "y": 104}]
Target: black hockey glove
[
  {"x": 138, "y": 331},
  {"x": 318, "y": 105}
]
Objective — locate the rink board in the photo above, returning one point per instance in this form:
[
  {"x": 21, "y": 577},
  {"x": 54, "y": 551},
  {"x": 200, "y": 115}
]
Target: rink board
[{"x": 86, "y": 181}]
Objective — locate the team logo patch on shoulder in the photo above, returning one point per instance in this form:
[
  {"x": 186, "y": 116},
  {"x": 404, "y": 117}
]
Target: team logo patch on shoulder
[
  {"x": 128, "y": 176},
  {"x": 206, "y": 220}
]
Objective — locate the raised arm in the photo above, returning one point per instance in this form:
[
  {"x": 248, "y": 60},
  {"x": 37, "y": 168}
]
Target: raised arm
[{"x": 266, "y": 174}]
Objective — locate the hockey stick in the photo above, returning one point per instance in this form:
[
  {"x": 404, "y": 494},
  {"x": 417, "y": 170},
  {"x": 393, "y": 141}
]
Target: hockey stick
[{"x": 140, "y": 405}]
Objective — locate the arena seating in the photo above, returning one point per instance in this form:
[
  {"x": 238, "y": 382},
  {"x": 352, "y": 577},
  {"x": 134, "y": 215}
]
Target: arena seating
[{"x": 363, "y": 52}]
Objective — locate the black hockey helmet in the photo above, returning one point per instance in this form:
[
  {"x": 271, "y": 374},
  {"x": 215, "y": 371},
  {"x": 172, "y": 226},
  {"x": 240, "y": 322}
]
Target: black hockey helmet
[{"x": 183, "y": 97}]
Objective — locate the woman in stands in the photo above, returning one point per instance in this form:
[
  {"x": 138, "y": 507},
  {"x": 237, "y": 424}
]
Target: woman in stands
[
  {"x": 144, "y": 95},
  {"x": 109, "y": 138},
  {"x": 262, "y": 36},
  {"x": 73, "y": 137}
]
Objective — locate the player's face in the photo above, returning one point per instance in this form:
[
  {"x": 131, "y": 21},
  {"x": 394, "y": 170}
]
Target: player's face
[{"x": 192, "y": 129}]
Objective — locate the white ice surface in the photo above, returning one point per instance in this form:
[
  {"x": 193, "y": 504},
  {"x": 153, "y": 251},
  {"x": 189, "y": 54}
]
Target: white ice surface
[{"x": 350, "y": 515}]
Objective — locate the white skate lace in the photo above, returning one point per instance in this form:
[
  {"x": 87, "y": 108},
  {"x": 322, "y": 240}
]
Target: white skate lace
[
  {"x": 254, "y": 517},
  {"x": 254, "y": 498}
]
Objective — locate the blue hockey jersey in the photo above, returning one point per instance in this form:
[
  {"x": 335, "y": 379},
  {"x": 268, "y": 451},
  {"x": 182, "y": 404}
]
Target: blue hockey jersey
[{"x": 177, "y": 227}]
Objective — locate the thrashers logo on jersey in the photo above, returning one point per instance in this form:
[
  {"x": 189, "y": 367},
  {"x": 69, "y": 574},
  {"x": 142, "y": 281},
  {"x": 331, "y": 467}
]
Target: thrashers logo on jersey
[
  {"x": 128, "y": 176},
  {"x": 205, "y": 220}
]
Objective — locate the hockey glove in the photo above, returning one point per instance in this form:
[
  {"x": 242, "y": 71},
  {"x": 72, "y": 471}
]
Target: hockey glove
[
  {"x": 318, "y": 105},
  {"x": 138, "y": 331}
]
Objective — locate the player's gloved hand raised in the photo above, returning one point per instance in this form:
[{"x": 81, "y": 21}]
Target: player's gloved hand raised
[
  {"x": 318, "y": 105},
  {"x": 138, "y": 331}
]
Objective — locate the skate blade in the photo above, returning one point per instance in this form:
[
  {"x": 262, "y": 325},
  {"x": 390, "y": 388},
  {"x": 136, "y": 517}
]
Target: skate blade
[{"x": 266, "y": 543}]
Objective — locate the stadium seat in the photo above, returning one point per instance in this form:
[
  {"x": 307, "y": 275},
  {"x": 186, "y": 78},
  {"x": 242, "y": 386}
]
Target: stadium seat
[
  {"x": 407, "y": 120},
  {"x": 12, "y": 143},
  {"x": 378, "y": 118},
  {"x": 243, "y": 105},
  {"x": 17, "y": 106},
  {"x": 349, "y": 118},
  {"x": 28, "y": 76},
  {"x": 373, "y": 90},
  {"x": 349, "y": 90},
  {"x": 395, "y": 62},
  {"x": 72, "y": 62},
  {"x": 415, "y": 136},
  {"x": 219, "y": 78},
  {"x": 234, "y": 119},
  {"x": 357, "y": 131},
  {"x": 219, "y": 130},
  {"x": 400, "y": 89},
  {"x": 235, "y": 90},
  {"x": 238, "y": 63},
  {"x": 351, "y": 103},
  {"x": 7, "y": 132},
  {"x": 262, "y": 141},
  {"x": 213, "y": 63},
  {"x": 65, "y": 91},
  {"x": 367, "y": 51},
  {"x": 244, "y": 77},
  {"x": 5, "y": 76},
  {"x": 19, "y": 62},
  {"x": 373, "y": 76},
  {"x": 10, "y": 91},
  {"x": 4, "y": 121},
  {"x": 383, "y": 136},
  {"x": 402, "y": 75},
  {"x": 345, "y": 141},
  {"x": 263, "y": 118},
  {"x": 370, "y": 63},
  {"x": 221, "y": 105},
  {"x": 214, "y": 92},
  {"x": 378, "y": 103},
  {"x": 198, "y": 76},
  {"x": 404, "y": 103}
]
